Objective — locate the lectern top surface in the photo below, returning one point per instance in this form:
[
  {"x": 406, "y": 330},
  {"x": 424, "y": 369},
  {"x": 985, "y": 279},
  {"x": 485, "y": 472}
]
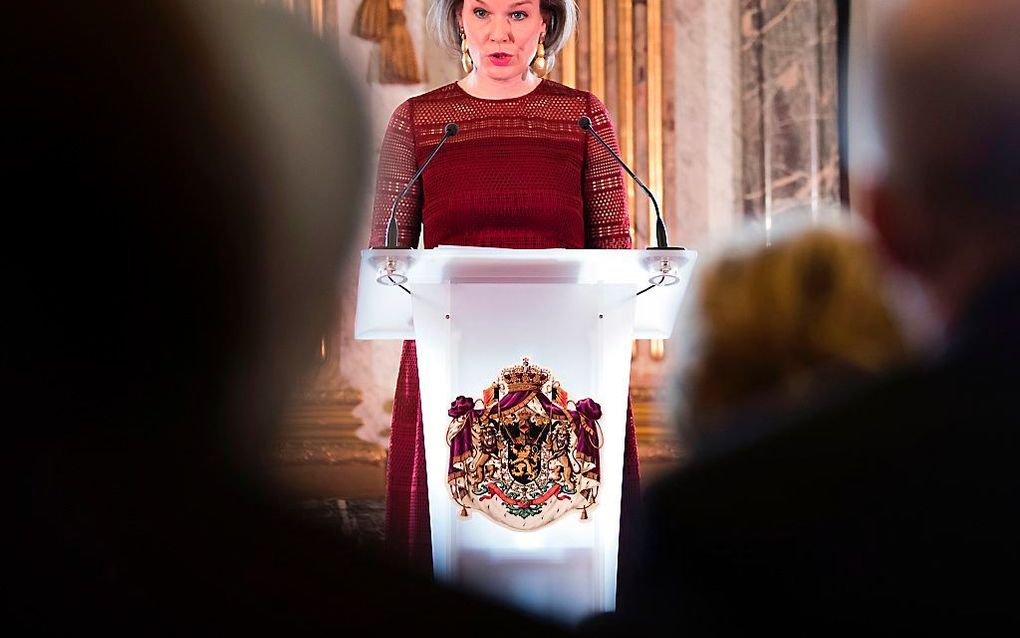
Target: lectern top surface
[{"x": 473, "y": 264}]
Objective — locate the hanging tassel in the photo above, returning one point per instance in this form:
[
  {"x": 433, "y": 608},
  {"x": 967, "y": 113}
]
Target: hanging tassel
[
  {"x": 372, "y": 20},
  {"x": 463, "y": 511},
  {"x": 399, "y": 64},
  {"x": 584, "y": 513}
]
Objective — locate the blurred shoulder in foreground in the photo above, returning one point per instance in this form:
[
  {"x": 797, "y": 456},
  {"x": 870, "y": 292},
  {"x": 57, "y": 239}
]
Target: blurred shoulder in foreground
[
  {"x": 186, "y": 178},
  {"x": 893, "y": 509}
]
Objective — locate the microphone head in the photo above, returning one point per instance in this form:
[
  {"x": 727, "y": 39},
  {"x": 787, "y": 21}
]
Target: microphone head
[
  {"x": 451, "y": 129},
  {"x": 584, "y": 122}
]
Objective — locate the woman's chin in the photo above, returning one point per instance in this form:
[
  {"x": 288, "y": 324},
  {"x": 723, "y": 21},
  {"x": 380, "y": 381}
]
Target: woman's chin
[{"x": 501, "y": 73}]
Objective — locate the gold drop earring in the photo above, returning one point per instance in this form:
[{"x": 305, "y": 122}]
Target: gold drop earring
[
  {"x": 538, "y": 64},
  {"x": 465, "y": 57}
]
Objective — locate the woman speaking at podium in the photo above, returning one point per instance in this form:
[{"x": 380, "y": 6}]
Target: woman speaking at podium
[{"x": 519, "y": 173}]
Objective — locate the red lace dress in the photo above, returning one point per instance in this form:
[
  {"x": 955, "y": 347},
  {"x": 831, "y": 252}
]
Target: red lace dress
[{"x": 519, "y": 174}]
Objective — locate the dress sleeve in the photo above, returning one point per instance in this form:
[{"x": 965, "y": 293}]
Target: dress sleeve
[
  {"x": 396, "y": 166},
  {"x": 607, "y": 224}
]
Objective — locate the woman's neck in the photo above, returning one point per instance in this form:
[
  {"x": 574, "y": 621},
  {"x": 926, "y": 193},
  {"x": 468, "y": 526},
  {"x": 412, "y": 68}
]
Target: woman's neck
[{"x": 489, "y": 89}]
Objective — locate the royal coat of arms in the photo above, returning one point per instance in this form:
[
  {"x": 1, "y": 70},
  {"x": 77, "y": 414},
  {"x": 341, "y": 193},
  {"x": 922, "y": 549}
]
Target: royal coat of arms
[{"x": 524, "y": 454}]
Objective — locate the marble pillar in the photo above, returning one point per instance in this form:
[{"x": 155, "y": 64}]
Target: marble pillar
[{"x": 790, "y": 157}]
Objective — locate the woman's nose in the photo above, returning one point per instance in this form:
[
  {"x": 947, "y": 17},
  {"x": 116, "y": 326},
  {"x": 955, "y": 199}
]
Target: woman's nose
[{"x": 501, "y": 32}]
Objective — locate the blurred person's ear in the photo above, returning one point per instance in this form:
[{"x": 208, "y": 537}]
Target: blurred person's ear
[
  {"x": 901, "y": 228},
  {"x": 904, "y": 241}
]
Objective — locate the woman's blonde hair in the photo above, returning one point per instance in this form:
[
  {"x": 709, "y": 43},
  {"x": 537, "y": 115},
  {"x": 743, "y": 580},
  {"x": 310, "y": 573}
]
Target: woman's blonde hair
[
  {"x": 779, "y": 322},
  {"x": 560, "y": 16}
]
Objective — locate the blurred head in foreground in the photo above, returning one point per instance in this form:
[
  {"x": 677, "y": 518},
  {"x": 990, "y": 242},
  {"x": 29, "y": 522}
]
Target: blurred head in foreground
[
  {"x": 946, "y": 205},
  {"x": 782, "y": 323},
  {"x": 185, "y": 177},
  {"x": 184, "y": 174},
  {"x": 842, "y": 505}
]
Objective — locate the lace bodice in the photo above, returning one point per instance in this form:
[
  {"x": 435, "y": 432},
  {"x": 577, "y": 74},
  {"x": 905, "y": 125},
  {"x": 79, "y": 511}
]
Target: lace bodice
[{"x": 520, "y": 173}]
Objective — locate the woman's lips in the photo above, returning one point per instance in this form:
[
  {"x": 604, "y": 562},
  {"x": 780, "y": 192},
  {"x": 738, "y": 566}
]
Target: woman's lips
[{"x": 500, "y": 59}]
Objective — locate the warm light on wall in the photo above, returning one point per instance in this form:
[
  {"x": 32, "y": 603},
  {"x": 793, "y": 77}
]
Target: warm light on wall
[
  {"x": 568, "y": 62},
  {"x": 656, "y": 179},
  {"x": 317, "y": 18},
  {"x": 597, "y": 49},
  {"x": 657, "y": 349},
  {"x": 625, "y": 71}
]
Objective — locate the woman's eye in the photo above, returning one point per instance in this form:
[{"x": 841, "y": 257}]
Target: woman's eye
[
  {"x": 519, "y": 15},
  {"x": 480, "y": 13}
]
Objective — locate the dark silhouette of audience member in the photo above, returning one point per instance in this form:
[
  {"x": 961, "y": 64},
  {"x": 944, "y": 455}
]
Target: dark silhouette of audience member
[
  {"x": 896, "y": 510},
  {"x": 779, "y": 324},
  {"x": 181, "y": 183}
]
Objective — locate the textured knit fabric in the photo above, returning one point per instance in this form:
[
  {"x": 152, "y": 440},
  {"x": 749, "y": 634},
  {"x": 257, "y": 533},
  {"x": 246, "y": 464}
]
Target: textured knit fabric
[{"x": 520, "y": 173}]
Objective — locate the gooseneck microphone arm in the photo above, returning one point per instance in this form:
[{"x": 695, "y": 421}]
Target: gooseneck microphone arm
[
  {"x": 660, "y": 228},
  {"x": 391, "y": 225}
]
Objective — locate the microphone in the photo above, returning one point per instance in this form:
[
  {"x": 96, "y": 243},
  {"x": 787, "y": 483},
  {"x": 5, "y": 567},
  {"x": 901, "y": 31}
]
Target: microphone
[
  {"x": 660, "y": 228},
  {"x": 391, "y": 226}
]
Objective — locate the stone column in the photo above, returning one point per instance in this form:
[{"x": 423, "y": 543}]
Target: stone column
[{"x": 789, "y": 91}]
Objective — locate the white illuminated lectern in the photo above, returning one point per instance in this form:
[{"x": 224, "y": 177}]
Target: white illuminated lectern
[{"x": 478, "y": 312}]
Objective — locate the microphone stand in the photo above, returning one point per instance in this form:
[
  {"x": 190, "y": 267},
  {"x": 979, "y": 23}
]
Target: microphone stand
[
  {"x": 391, "y": 277},
  {"x": 660, "y": 228},
  {"x": 391, "y": 225},
  {"x": 665, "y": 276}
]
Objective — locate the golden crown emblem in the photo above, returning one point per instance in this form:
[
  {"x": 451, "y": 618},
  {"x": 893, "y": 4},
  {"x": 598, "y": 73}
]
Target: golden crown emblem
[{"x": 525, "y": 377}]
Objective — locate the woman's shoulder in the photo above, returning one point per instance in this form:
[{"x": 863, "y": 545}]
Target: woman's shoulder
[
  {"x": 432, "y": 104},
  {"x": 586, "y": 99},
  {"x": 555, "y": 88},
  {"x": 405, "y": 111}
]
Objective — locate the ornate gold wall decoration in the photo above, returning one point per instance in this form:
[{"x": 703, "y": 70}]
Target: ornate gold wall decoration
[
  {"x": 399, "y": 62},
  {"x": 372, "y": 20},
  {"x": 382, "y": 21}
]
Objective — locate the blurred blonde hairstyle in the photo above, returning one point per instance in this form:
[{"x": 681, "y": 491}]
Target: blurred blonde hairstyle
[{"x": 778, "y": 321}]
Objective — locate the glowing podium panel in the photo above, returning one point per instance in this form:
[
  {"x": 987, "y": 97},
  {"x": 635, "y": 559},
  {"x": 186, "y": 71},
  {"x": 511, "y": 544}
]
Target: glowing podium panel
[{"x": 524, "y": 366}]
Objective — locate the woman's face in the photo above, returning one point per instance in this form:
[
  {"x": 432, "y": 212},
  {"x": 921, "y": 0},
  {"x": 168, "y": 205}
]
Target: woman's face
[{"x": 502, "y": 35}]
